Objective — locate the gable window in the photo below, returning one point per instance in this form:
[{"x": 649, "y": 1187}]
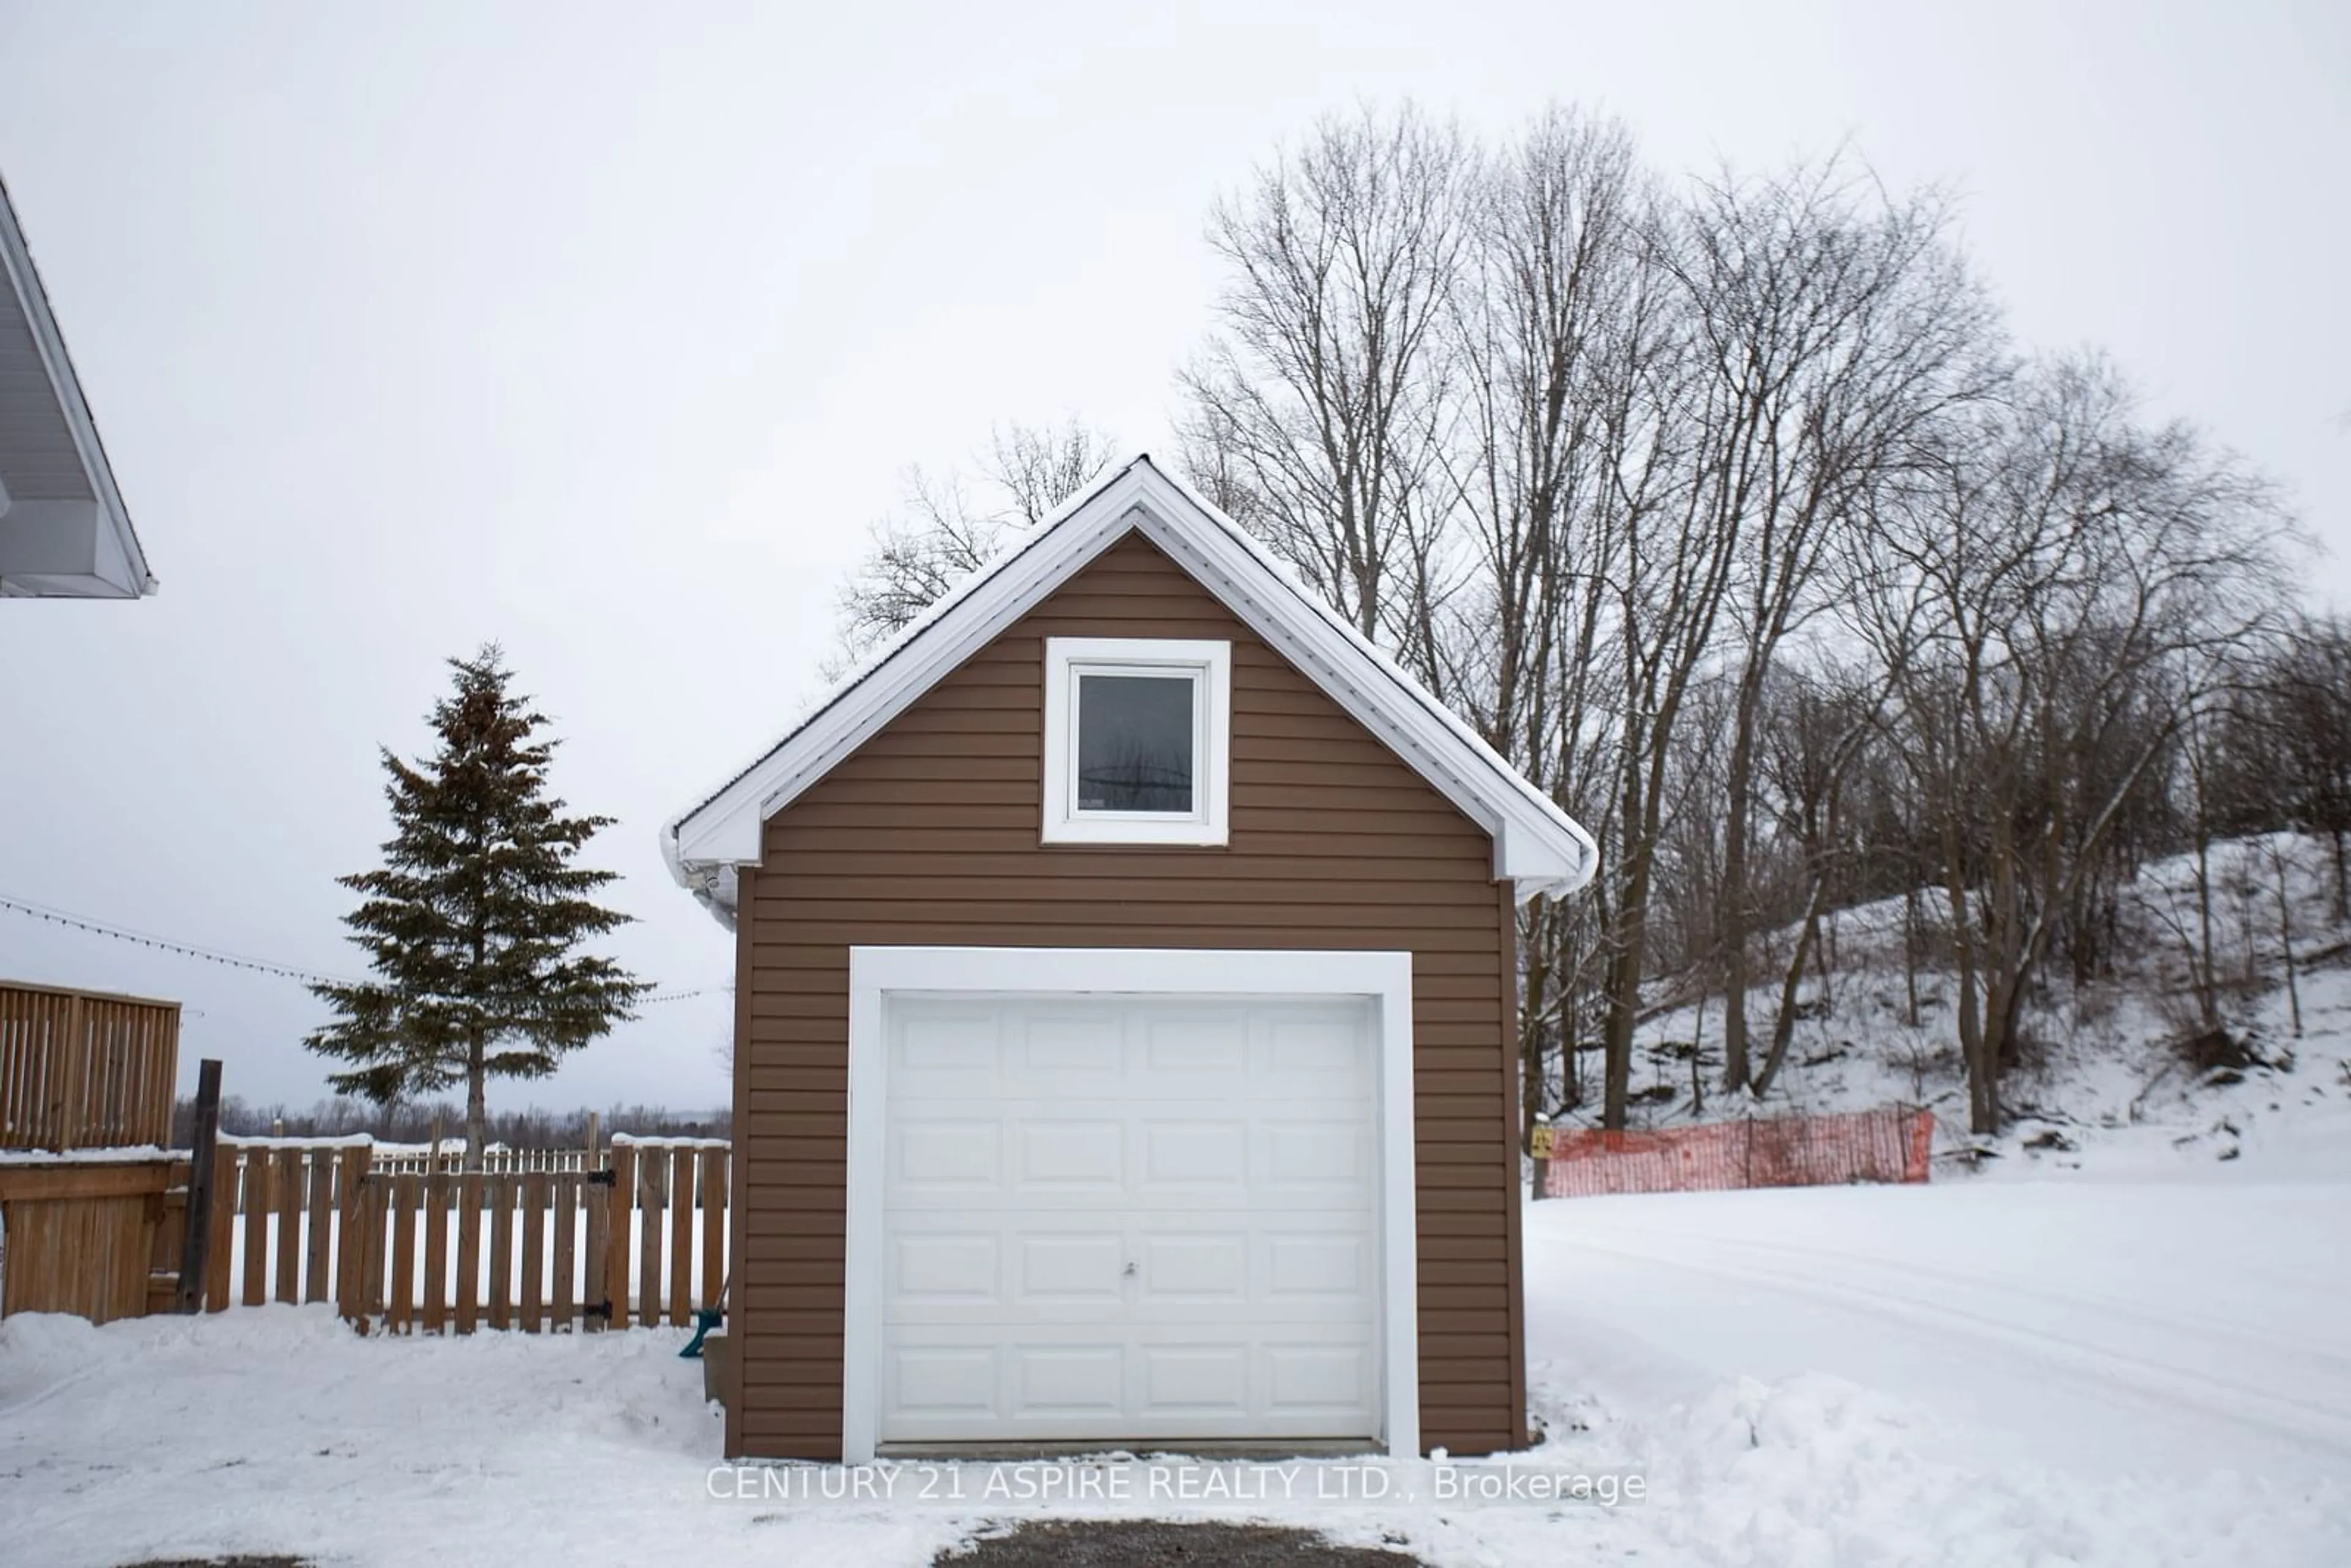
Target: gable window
[{"x": 1137, "y": 736}]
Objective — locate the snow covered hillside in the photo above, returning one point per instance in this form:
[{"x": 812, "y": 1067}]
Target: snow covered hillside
[{"x": 2111, "y": 1084}]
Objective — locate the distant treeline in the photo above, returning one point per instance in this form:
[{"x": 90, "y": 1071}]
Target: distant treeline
[{"x": 415, "y": 1123}]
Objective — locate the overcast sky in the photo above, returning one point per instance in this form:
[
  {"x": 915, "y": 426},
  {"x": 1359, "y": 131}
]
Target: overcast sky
[{"x": 606, "y": 332}]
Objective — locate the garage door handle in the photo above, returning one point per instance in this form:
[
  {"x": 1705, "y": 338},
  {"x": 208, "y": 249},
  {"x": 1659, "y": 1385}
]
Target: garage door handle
[{"x": 1128, "y": 1271}]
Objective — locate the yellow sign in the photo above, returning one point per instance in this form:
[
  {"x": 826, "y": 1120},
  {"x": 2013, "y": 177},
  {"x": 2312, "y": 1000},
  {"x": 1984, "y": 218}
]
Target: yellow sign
[{"x": 1540, "y": 1144}]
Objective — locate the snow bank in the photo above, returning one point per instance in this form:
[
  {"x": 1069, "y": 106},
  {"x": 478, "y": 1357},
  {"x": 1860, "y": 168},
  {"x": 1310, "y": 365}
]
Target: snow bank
[{"x": 1973, "y": 1375}]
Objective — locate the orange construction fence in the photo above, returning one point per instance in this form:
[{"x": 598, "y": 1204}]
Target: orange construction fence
[{"x": 1892, "y": 1145}]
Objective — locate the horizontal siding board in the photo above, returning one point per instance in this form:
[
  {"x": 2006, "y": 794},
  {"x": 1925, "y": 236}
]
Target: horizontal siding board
[{"x": 929, "y": 834}]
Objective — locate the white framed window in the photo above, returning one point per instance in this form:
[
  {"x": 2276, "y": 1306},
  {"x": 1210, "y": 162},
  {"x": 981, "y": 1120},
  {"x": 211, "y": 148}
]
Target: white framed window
[{"x": 1138, "y": 741}]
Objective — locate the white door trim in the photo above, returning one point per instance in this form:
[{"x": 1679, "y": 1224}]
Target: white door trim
[{"x": 874, "y": 972}]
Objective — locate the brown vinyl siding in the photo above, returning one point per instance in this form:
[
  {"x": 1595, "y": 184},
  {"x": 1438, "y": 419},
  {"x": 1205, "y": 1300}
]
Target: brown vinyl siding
[{"x": 929, "y": 834}]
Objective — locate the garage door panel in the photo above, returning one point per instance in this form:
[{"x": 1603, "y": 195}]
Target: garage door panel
[
  {"x": 1062, "y": 1379},
  {"x": 1200, "y": 1037},
  {"x": 941, "y": 1383},
  {"x": 1321, "y": 1381},
  {"x": 946, "y": 1042},
  {"x": 1078, "y": 1048},
  {"x": 1141, "y": 1220},
  {"x": 1320, "y": 1266},
  {"x": 1058, "y": 1268},
  {"x": 1068, "y": 1155},
  {"x": 1209, "y": 1155},
  {"x": 1195, "y": 1381},
  {"x": 932, "y": 1268},
  {"x": 1194, "y": 1267},
  {"x": 939, "y": 1154},
  {"x": 1309, "y": 1155}
]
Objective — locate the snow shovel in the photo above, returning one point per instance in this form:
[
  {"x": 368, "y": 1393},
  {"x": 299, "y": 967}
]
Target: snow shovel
[{"x": 704, "y": 1320}]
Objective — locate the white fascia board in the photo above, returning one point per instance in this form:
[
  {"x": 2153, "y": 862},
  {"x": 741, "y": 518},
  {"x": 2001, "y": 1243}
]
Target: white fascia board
[
  {"x": 727, "y": 829},
  {"x": 118, "y": 548},
  {"x": 1536, "y": 846}
]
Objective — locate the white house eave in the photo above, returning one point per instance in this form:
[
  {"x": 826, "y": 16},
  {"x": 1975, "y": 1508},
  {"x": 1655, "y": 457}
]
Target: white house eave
[
  {"x": 71, "y": 548},
  {"x": 1536, "y": 848}
]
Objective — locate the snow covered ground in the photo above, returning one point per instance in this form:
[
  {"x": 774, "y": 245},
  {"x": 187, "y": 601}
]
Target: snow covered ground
[{"x": 1977, "y": 1372}]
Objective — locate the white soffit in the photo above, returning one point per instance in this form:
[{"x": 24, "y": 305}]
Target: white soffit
[
  {"x": 64, "y": 529},
  {"x": 1536, "y": 845}
]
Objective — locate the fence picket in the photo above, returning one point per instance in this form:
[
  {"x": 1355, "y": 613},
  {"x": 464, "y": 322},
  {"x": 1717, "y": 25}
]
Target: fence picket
[
  {"x": 713, "y": 1226},
  {"x": 564, "y": 1222},
  {"x": 286, "y": 1186},
  {"x": 253, "y": 1205},
  {"x": 594, "y": 1270},
  {"x": 401, "y": 1308},
  {"x": 436, "y": 1252},
  {"x": 681, "y": 1235},
  {"x": 469, "y": 1250},
  {"x": 534, "y": 1251},
  {"x": 318, "y": 1242},
  {"x": 621, "y": 1241},
  {"x": 501, "y": 1191},
  {"x": 228, "y": 1180},
  {"x": 375, "y": 1294},
  {"x": 351, "y": 1235},
  {"x": 652, "y": 1170}
]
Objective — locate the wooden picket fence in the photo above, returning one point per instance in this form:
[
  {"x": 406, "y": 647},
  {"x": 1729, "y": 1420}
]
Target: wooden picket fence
[
  {"x": 642, "y": 1241},
  {"x": 84, "y": 1069}
]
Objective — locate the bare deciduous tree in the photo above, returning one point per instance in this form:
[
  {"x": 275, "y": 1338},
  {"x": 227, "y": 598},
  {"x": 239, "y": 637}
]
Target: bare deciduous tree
[
  {"x": 1316, "y": 405},
  {"x": 944, "y": 534}
]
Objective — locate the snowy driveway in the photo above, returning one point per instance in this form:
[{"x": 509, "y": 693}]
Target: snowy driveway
[
  {"x": 1982, "y": 1375},
  {"x": 2166, "y": 1329}
]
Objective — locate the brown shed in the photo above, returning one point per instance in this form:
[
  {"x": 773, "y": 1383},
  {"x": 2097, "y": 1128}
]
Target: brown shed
[{"x": 1125, "y": 991}]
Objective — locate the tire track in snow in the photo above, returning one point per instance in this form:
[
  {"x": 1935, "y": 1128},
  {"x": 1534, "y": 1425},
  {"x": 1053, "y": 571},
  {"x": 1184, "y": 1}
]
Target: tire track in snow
[
  {"x": 2188, "y": 1324},
  {"x": 2297, "y": 1420}
]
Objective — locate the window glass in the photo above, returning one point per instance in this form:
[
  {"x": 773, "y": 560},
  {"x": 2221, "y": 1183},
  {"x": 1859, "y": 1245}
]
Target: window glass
[{"x": 1135, "y": 743}]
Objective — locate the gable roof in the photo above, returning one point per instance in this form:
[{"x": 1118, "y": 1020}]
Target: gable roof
[{"x": 1537, "y": 846}]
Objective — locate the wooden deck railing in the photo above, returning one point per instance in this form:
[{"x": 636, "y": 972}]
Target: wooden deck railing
[{"x": 83, "y": 1070}]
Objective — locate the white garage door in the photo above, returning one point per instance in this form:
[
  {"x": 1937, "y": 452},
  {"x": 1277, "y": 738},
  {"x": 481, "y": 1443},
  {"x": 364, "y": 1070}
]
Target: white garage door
[{"x": 1129, "y": 1219}]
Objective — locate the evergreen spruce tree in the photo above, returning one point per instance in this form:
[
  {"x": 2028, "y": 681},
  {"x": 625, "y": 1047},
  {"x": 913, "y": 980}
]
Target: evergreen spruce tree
[{"x": 472, "y": 924}]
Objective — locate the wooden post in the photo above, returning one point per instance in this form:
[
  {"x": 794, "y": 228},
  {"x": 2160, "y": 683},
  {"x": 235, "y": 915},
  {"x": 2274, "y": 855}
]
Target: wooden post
[
  {"x": 204, "y": 1144},
  {"x": 469, "y": 1251},
  {"x": 621, "y": 1200},
  {"x": 595, "y": 1128},
  {"x": 433, "y": 1149}
]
